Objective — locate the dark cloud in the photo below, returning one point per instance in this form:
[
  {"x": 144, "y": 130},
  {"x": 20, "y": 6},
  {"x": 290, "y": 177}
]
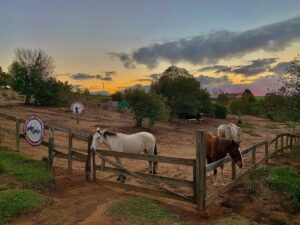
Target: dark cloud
[
  {"x": 216, "y": 68},
  {"x": 154, "y": 76},
  {"x": 81, "y": 76},
  {"x": 125, "y": 58},
  {"x": 255, "y": 67},
  {"x": 107, "y": 76},
  {"x": 212, "y": 47},
  {"x": 280, "y": 68},
  {"x": 207, "y": 81},
  {"x": 144, "y": 80}
]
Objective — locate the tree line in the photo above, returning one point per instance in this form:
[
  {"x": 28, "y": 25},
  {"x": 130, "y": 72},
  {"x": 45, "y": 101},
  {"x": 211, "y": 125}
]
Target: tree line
[{"x": 175, "y": 94}]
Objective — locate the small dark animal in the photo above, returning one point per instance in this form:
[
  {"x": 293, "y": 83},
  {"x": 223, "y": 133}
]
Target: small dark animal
[{"x": 217, "y": 148}]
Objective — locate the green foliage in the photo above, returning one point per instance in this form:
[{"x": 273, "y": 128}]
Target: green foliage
[
  {"x": 17, "y": 201},
  {"x": 281, "y": 179},
  {"x": 146, "y": 105},
  {"x": 141, "y": 212},
  {"x": 220, "y": 111},
  {"x": 118, "y": 96},
  {"x": 182, "y": 93},
  {"x": 29, "y": 69},
  {"x": 275, "y": 110},
  {"x": 31, "y": 173},
  {"x": 4, "y": 78},
  {"x": 52, "y": 92},
  {"x": 284, "y": 104}
]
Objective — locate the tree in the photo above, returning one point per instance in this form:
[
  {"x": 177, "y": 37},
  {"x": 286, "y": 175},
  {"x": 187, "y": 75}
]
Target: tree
[
  {"x": 29, "y": 70},
  {"x": 146, "y": 106},
  {"x": 52, "y": 92},
  {"x": 4, "y": 78},
  {"x": 182, "y": 92},
  {"x": 284, "y": 104},
  {"x": 117, "y": 96}
]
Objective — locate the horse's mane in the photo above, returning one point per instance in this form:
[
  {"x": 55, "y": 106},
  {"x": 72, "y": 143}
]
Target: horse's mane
[{"x": 108, "y": 133}]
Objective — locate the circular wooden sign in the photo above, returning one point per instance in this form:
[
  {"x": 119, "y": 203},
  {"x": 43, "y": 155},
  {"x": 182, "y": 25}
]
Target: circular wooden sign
[
  {"x": 34, "y": 130},
  {"x": 77, "y": 108}
]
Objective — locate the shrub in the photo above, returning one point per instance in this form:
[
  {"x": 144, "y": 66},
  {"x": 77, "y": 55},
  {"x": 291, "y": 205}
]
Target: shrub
[
  {"x": 146, "y": 106},
  {"x": 220, "y": 111}
]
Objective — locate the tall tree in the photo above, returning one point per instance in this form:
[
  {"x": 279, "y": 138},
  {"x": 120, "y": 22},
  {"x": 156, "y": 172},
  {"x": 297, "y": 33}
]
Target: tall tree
[
  {"x": 4, "y": 78},
  {"x": 30, "y": 68},
  {"x": 182, "y": 92}
]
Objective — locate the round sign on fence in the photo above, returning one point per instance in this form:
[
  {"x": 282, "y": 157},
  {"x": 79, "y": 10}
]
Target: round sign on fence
[
  {"x": 77, "y": 108},
  {"x": 34, "y": 130}
]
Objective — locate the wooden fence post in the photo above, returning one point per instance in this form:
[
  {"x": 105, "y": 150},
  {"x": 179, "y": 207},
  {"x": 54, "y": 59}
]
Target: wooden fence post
[
  {"x": 50, "y": 149},
  {"x": 94, "y": 165},
  {"x": 281, "y": 144},
  {"x": 88, "y": 161},
  {"x": 267, "y": 150},
  {"x": 17, "y": 134},
  {"x": 254, "y": 156},
  {"x": 286, "y": 142},
  {"x": 200, "y": 188},
  {"x": 70, "y": 146},
  {"x": 291, "y": 142},
  {"x": 276, "y": 144}
]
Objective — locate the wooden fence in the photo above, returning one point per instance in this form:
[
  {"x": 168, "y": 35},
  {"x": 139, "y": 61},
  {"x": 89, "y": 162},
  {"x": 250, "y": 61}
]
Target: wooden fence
[{"x": 197, "y": 185}]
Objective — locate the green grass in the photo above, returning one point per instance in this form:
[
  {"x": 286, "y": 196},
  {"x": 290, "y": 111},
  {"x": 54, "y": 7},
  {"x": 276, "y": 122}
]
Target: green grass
[
  {"x": 31, "y": 173},
  {"x": 236, "y": 219},
  {"x": 282, "y": 180},
  {"x": 141, "y": 211},
  {"x": 17, "y": 201},
  {"x": 246, "y": 125}
]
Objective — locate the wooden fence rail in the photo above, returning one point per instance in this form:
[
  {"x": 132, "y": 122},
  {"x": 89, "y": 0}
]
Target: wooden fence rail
[{"x": 198, "y": 165}]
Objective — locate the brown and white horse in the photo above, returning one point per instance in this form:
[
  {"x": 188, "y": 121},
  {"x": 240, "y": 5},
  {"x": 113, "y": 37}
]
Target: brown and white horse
[{"x": 217, "y": 148}]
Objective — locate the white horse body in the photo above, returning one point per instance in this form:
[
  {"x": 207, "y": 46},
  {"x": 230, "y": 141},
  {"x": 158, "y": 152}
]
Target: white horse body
[
  {"x": 229, "y": 131},
  {"x": 132, "y": 143}
]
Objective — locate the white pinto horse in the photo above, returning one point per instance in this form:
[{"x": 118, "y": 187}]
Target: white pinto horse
[
  {"x": 229, "y": 131},
  {"x": 132, "y": 143}
]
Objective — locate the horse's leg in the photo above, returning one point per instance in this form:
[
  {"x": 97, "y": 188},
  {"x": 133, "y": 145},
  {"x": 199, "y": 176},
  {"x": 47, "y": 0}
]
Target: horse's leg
[
  {"x": 209, "y": 161},
  {"x": 120, "y": 178},
  {"x": 215, "y": 178},
  {"x": 222, "y": 167}
]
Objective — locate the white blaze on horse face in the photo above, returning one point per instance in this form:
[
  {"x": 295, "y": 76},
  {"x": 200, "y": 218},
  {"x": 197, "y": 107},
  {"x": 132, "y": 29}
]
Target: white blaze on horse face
[{"x": 97, "y": 140}]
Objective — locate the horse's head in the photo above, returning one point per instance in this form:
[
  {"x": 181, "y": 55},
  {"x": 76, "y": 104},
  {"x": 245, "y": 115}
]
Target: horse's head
[
  {"x": 98, "y": 139},
  {"x": 234, "y": 152}
]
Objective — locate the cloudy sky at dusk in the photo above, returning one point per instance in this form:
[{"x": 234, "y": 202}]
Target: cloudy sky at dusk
[{"x": 229, "y": 45}]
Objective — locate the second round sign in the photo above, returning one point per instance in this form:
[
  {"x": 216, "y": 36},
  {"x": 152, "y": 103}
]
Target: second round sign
[{"x": 77, "y": 108}]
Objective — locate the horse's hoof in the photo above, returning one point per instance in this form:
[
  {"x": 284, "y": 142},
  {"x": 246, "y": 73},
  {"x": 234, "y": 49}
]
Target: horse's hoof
[
  {"x": 120, "y": 178},
  {"x": 124, "y": 178}
]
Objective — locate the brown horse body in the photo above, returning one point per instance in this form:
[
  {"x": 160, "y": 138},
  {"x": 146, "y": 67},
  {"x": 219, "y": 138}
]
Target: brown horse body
[{"x": 217, "y": 148}]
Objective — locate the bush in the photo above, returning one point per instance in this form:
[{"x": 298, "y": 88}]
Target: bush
[
  {"x": 146, "y": 106},
  {"x": 220, "y": 111}
]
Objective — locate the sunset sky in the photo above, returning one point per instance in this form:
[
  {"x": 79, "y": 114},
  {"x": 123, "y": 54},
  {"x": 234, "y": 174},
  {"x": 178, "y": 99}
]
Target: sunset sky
[{"x": 227, "y": 45}]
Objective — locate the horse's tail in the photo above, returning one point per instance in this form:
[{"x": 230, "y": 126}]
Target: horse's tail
[
  {"x": 155, "y": 163},
  {"x": 155, "y": 149}
]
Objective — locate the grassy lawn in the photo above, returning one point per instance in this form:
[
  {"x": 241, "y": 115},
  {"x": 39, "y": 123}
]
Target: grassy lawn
[
  {"x": 31, "y": 174},
  {"x": 281, "y": 179},
  {"x": 141, "y": 211},
  {"x": 236, "y": 220},
  {"x": 14, "y": 202}
]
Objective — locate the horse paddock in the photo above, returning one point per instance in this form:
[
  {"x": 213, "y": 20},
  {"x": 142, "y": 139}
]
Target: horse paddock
[{"x": 174, "y": 140}]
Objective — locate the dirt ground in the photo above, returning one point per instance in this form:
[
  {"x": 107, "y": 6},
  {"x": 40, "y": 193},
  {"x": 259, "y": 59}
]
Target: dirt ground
[{"x": 78, "y": 202}]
